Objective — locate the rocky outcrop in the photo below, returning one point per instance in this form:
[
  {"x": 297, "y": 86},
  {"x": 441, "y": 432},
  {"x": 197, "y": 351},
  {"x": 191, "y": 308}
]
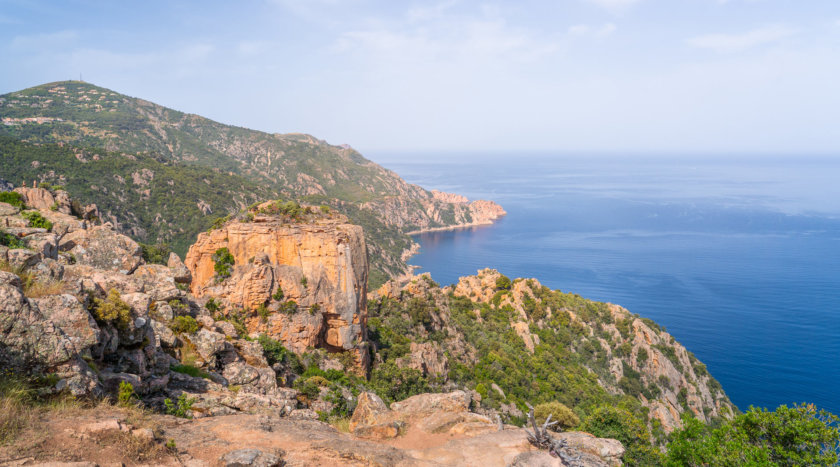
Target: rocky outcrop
[
  {"x": 310, "y": 278},
  {"x": 103, "y": 248}
]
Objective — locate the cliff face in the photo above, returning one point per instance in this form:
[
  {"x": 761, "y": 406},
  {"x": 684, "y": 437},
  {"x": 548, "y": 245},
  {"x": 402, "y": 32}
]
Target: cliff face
[{"x": 320, "y": 267}]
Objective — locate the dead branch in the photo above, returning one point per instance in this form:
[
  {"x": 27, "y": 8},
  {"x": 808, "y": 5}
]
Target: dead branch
[{"x": 542, "y": 440}]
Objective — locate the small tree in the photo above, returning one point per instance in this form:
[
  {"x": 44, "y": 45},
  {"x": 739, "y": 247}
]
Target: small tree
[
  {"x": 503, "y": 283},
  {"x": 224, "y": 260}
]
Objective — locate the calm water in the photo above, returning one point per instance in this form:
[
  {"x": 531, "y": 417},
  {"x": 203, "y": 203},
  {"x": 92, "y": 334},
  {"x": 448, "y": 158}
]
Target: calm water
[{"x": 739, "y": 260}]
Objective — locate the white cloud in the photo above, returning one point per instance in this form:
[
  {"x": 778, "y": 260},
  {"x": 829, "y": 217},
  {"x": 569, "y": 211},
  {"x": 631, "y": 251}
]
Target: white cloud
[
  {"x": 743, "y": 41},
  {"x": 579, "y": 30}
]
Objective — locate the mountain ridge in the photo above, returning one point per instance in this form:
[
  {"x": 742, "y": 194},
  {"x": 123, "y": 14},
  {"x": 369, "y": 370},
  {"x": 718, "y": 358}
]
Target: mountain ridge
[{"x": 295, "y": 165}]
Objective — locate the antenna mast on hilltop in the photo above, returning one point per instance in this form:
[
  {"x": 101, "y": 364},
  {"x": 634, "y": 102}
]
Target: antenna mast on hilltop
[{"x": 80, "y": 77}]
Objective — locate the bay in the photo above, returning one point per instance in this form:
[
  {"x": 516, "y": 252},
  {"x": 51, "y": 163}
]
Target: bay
[{"x": 739, "y": 258}]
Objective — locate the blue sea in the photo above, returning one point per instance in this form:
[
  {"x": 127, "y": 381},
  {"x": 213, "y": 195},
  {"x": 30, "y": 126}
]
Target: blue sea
[{"x": 739, "y": 258}]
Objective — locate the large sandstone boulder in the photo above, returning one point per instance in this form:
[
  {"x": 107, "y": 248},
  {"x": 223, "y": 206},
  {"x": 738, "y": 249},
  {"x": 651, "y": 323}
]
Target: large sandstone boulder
[
  {"x": 103, "y": 248},
  {"x": 322, "y": 267}
]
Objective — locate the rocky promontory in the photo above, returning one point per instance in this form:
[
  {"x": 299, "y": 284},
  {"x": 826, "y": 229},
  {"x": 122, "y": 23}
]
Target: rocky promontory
[{"x": 309, "y": 274}]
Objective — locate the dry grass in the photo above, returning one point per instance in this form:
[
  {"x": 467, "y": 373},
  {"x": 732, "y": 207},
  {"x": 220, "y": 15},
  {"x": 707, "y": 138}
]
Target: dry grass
[
  {"x": 341, "y": 424},
  {"x": 32, "y": 286},
  {"x": 37, "y": 289},
  {"x": 16, "y": 411}
]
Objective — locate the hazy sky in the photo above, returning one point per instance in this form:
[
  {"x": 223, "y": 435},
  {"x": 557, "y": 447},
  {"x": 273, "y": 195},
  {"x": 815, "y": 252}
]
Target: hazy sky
[{"x": 682, "y": 76}]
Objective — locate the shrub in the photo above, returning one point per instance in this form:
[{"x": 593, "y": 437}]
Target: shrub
[
  {"x": 799, "y": 435},
  {"x": 11, "y": 241},
  {"x": 125, "y": 394},
  {"x": 641, "y": 356},
  {"x": 191, "y": 370},
  {"x": 503, "y": 283},
  {"x": 263, "y": 313},
  {"x": 212, "y": 306},
  {"x": 278, "y": 295},
  {"x": 36, "y": 220},
  {"x": 184, "y": 325},
  {"x": 224, "y": 260},
  {"x": 289, "y": 307},
  {"x": 112, "y": 310},
  {"x": 621, "y": 424},
  {"x": 303, "y": 281},
  {"x": 565, "y": 417},
  {"x": 274, "y": 352},
  {"x": 12, "y": 197},
  {"x": 180, "y": 408},
  {"x": 155, "y": 254},
  {"x": 314, "y": 309},
  {"x": 325, "y": 209}
]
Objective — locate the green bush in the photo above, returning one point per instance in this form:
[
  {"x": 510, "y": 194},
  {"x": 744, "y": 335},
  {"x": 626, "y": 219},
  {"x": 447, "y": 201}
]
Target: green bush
[
  {"x": 211, "y": 305},
  {"x": 290, "y": 307},
  {"x": 631, "y": 430},
  {"x": 112, "y": 310},
  {"x": 278, "y": 295},
  {"x": 274, "y": 352},
  {"x": 180, "y": 408},
  {"x": 565, "y": 417},
  {"x": 125, "y": 394},
  {"x": 184, "y": 325},
  {"x": 12, "y": 197},
  {"x": 155, "y": 254},
  {"x": 263, "y": 313},
  {"x": 304, "y": 281},
  {"x": 799, "y": 435},
  {"x": 11, "y": 241},
  {"x": 36, "y": 220},
  {"x": 503, "y": 283},
  {"x": 223, "y": 262}
]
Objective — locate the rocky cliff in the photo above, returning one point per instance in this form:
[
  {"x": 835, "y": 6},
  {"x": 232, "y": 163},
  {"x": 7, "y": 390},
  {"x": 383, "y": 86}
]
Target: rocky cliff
[
  {"x": 487, "y": 332},
  {"x": 309, "y": 275}
]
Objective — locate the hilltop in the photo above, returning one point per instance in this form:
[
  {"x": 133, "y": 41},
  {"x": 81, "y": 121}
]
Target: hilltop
[{"x": 174, "y": 169}]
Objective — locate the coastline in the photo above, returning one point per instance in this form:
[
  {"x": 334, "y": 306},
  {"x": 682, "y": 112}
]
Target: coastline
[{"x": 453, "y": 227}]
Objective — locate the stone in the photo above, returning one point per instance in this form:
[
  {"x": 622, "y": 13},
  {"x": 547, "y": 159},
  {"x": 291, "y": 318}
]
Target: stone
[
  {"x": 20, "y": 258},
  {"x": 44, "y": 243},
  {"x": 180, "y": 272},
  {"x": 250, "y": 458},
  {"x": 37, "y": 198},
  {"x": 208, "y": 344},
  {"x": 103, "y": 248},
  {"x": 8, "y": 210},
  {"x": 369, "y": 409},
  {"x": 455, "y": 401},
  {"x": 386, "y": 430},
  {"x": 65, "y": 312},
  {"x": 27, "y": 338}
]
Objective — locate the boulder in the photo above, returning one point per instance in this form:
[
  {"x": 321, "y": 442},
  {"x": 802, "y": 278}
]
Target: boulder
[
  {"x": 369, "y": 409},
  {"x": 455, "y": 401},
  {"x": 72, "y": 318},
  {"x": 179, "y": 270},
  {"x": 103, "y": 248},
  {"x": 28, "y": 340},
  {"x": 208, "y": 344},
  {"x": 250, "y": 458}
]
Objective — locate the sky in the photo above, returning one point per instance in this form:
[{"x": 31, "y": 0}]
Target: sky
[{"x": 388, "y": 76}]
